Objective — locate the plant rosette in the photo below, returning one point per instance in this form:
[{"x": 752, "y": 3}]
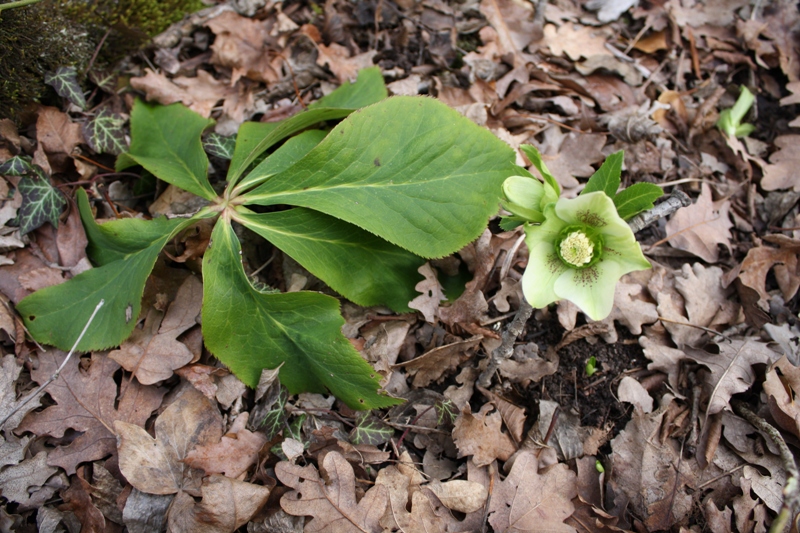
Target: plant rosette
[{"x": 578, "y": 253}]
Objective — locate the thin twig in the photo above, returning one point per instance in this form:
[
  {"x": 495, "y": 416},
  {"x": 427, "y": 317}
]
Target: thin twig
[
  {"x": 674, "y": 201},
  {"x": 58, "y": 371},
  {"x": 791, "y": 489}
]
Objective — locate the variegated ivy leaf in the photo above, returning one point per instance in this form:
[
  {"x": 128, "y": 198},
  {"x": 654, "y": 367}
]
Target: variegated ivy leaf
[
  {"x": 105, "y": 133},
  {"x": 65, "y": 81},
  {"x": 41, "y": 202},
  {"x": 275, "y": 419},
  {"x": 219, "y": 146},
  {"x": 105, "y": 80},
  {"x": 16, "y": 166},
  {"x": 370, "y": 430}
]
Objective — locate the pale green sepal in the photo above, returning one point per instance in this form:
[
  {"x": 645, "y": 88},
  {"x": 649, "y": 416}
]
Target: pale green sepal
[
  {"x": 250, "y": 330},
  {"x": 536, "y": 160},
  {"x": 607, "y": 177},
  {"x": 55, "y": 315},
  {"x": 524, "y": 197},
  {"x": 548, "y": 231},
  {"x": 592, "y": 289},
  {"x": 165, "y": 140},
  {"x": 594, "y": 209},
  {"x": 408, "y": 169},
  {"x": 363, "y": 268},
  {"x": 538, "y": 280}
]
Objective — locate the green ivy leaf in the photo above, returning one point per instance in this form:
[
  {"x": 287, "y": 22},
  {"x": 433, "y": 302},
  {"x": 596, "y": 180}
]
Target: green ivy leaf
[
  {"x": 55, "y": 315},
  {"x": 287, "y": 155},
  {"x": 606, "y": 178},
  {"x": 166, "y": 141},
  {"x": 636, "y": 198},
  {"x": 249, "y": 331},
  {"x": 65, "y": 81},
  {"x": 106, "y": 80},
  {"x": 255, "y": 138},
  {"x": 274, "y": 420},
  {"x": 364, "y": 268},
  {"x": 408, "y": 169},
  {"x": 16, "y": 166},
  {"x": 41, "y": 202},
  {"x": 446, "y": 412},
  {"x": 105, "y": 133},
  {"x": 219, "y": 146},
  {"x": 370, "y": 430}
]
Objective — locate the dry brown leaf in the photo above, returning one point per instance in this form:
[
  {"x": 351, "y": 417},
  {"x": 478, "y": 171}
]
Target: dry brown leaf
[
  {"x": 631, "y": 391},
  {"x": 644, "y": 469},
  {"x": 337, "y": 58},
  {"x": 513, "y": 416},
  {"x": 58, "y": 135},
  {"x": 155, "y": 465},
  {"x": 731, "y": 369},
  {"x": 200, "y": 94},
  {"x": 332, "y": 501},
  {"x": 479, "y": 435},
  {"x": 427, "y": 303},
  {"x": 153, "y": 352},
  {"x": 711, "y": 12},
  {"x": 701, "y": 227},
  {"x": 781, "y": 391},
  {"x": 781, "y": 173},
  {"x": 575, "y": 41},
  {"x": 569, "y": 440},
  {"x": 460, "y": 494},
  {"x": 87, "y": 401},
  {"x": 20, "y": 482},
  {"x": 9, "y": 372},
  {"x": 576, "y": 155},
  {"x": 233, "y": 455},
  {"x": 242, "y": 44},
  {"x": 226, "y": 505},
  {"x": 512, "y": 22},
  {"x": 529, "y": 500},
  {"x": 664, "y": 359},
  {"x": 78, "y": 499},
  {"x": 437, "y": 363},
  {"x": 761, "y": 259}
]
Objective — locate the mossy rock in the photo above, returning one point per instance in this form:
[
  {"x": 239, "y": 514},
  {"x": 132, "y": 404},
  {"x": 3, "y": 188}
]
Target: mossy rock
[{"x": 53, "y": 33}]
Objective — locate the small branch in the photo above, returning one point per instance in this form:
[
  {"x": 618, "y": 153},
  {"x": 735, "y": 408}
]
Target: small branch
[
  {"x": 791, "y": 489},
  {"x": 506, "y": 348},
  {"x": 58, "y": 371},
  {"x": 674, "y": 201}
]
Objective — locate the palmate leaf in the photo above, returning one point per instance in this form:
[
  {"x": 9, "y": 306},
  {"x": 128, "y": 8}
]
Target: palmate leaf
[
  {"x": 636, "y": 198},
  {"x": 607, "y": 177},
  {"x": 165, "y": 140},
  {"x": 250, "y": 330},
  {"x": 219, "y": 145},
  {"x": 364, "y": 268},
  {"x": 408, "y": 169},
  {"x": 105, "y": 133},
  {"x": 55, "y": 315},
  {"x": 65, "y": 81},
  {"x": 41, "y": 202}
]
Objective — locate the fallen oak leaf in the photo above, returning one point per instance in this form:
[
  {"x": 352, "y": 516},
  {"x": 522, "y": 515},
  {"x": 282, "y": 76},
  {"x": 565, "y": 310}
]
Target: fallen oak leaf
[
  {"x": 233, "y": 455},
  {"x": 699, "y": 228},
  {"x": 479, "y": 435},
  {"x": 434, "y": 364},
  {"x": 783, "y": 260},
  {"x": 16, "y": 481},
  {"x": 332, "y": 501}
]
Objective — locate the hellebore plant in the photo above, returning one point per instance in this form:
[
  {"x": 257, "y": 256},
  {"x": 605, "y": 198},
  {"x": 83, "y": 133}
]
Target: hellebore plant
[
  {"x": 579, "y": 248},
  {"x": 730, "y": 120},
  {"x": 361, "y": 205}
]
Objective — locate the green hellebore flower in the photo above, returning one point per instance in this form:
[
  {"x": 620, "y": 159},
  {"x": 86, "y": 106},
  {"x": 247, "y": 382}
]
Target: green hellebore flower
[{"x": 579, "y": 253}]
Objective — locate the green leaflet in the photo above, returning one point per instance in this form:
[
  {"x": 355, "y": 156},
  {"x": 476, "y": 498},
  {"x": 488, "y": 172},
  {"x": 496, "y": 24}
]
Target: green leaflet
[
  {"x": 364, "y": 268},
  {"x": 41, "y": 202},
  {"x": 166, "y": 141},
  {"x": 409, "y": 169},
  {"x": 105, "y": 133},
  {"x": 367, "y": 89},
  {"x": 606, "y": 178},
  {"x": 249, "y": 330},
  {"x": 65, "y": 81},
  {"x": 55, "y": 315},
  {"x": 636, "y": 198}
]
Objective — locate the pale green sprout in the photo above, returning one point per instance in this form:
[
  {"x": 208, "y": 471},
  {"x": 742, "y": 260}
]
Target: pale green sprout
[
  {"x": 730, "y": 120},
  {"x": 591, "y": 366}
]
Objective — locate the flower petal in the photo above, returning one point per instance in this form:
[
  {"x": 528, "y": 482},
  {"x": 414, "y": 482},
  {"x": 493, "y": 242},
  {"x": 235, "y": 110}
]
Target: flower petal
[
  {"x": 544, "y": 268},
  {"x": 524, "y": 196},
  {"x": 547, "y": 231},
  {"x": 591, "y": 289},
  {"x": 593, "y": 209}
]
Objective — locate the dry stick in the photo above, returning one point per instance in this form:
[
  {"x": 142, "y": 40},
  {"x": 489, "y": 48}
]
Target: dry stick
[
  {"x": 791, "y": 490},
  {"x": 58, "y": 371},
  {"x": 674, "y": 201}
]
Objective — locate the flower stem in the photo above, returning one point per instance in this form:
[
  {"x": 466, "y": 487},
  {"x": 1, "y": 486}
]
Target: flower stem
[{"x": 18, "y": 3}]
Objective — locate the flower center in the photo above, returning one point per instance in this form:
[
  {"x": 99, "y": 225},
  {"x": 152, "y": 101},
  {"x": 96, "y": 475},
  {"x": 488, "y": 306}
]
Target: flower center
[{"x": 577, "y": 249}]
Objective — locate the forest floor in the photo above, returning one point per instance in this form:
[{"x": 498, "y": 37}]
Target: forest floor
[{"x": 656, "y": 438}]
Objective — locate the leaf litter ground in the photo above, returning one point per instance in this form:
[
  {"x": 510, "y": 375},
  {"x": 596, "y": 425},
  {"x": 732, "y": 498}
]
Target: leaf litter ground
[{"x": 579, "y": 84}]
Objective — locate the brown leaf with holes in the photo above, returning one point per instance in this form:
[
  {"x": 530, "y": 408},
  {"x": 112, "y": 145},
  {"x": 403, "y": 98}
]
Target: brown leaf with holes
[
  {"x": 437, "y": 363},
  {"x": 226, "y": 505},
  {"x": 156, "y": 465},
  {"x": 701, "y": 227},
  {"x": 331, "y": 498},
  {"x": 233, "y": 455},
  {"x": 480, "y": 436},
  {"x": 529, "y": 500},
  {"x": 432, "y": 295},
  {"x": 87, "y": 401},
  {"x": 153, "y": 352}
]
